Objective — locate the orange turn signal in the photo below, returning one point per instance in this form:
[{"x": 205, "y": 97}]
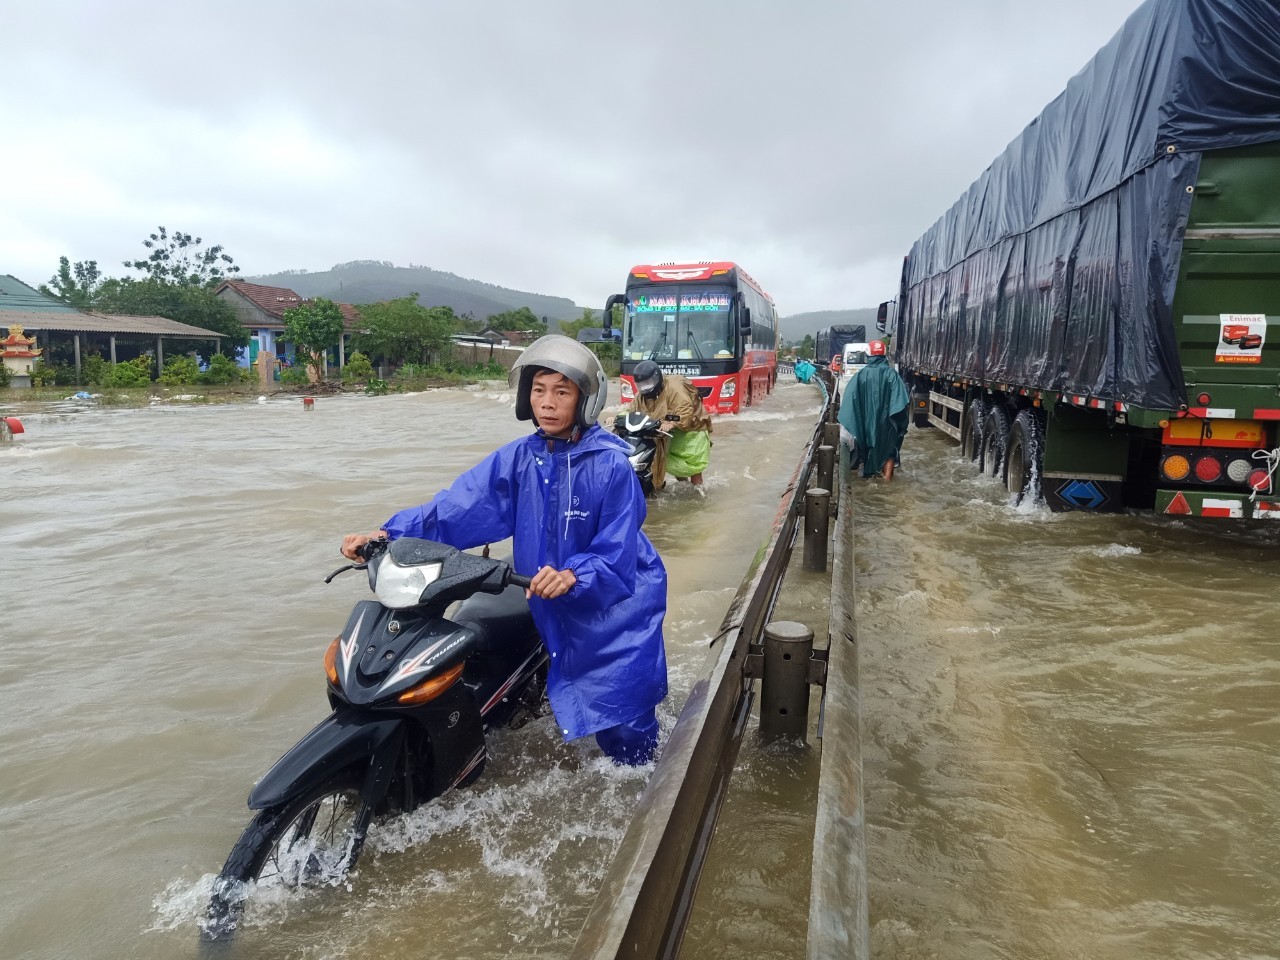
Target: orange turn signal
[
  {"x": 1175, "y": 467},
  {"x": 430, "y": 689},
  {"x": 331, "y": 660}
]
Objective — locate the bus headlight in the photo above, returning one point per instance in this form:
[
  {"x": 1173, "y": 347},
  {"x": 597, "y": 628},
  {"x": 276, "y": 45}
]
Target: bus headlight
[
  {"x": 628, "y": 391},
  {"x": 728, "y": 389}
]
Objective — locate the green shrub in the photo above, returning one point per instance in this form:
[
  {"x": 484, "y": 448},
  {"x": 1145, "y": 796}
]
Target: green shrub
[
  {"x": 130, "y": 373},
  {"x": 377, "y": 387},
  {"x": 358, "y": 369},
  {"x": 222, "y": 369},
  {"x": 4, "y": 375},
  {"x": 94, "y": 370},
  {"x": 415, "y": 371},
  {"x": 63, "y": 375},
  {"x": 180, "y": 370},
  {"x": 295, "y": 375},
  {"x": 41, "y": 375}
]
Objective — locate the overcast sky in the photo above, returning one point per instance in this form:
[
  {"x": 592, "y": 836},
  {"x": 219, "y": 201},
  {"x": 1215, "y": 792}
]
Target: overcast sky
[{"x": 544, "y": 145}]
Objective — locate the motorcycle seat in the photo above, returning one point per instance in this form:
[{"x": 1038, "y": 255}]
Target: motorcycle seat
[{"x": 501, "y": 620}]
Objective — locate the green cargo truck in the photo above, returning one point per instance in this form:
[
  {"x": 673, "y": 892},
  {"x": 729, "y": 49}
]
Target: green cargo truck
[{"x": 1097, "y": 320}]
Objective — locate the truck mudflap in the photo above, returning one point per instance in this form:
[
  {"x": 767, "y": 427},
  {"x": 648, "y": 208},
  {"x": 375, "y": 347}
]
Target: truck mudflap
[
  {"x": 1090, "y": 492},
  {"x": 1216, "y": 504}
]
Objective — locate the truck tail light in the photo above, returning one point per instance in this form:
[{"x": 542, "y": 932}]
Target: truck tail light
[
  {"x": 1175, "y": 467},
  {"x": 1260, "y": 480},
  {"x": 1208, "y": 469},
  {"x": 1238, "y": 470}
]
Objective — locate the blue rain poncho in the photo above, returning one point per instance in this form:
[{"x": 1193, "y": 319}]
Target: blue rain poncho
[
  {"x": 573, "y": 505},
  {"x": 875, "y": 410}
]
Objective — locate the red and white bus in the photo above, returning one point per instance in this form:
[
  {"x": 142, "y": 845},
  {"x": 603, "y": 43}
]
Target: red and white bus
[{"x": 706, "y": 321}]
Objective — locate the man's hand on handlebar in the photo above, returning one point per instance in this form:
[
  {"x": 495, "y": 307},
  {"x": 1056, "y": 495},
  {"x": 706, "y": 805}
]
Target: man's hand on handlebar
[
  {"x": 352, "y": 543},
  {"x": 549, "y": 583}
]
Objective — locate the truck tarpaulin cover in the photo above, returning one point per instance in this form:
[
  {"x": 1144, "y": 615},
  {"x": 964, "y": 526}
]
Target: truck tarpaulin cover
[
  {"x": 832, "y": 341},
  {"x": 1057, "y": 269}
]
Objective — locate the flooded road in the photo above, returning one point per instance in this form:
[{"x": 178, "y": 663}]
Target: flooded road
[
  {"x": 1071, "y": 726},
  {"x": 163, "y": 625},
  {"x": 1071, "y": 723}
]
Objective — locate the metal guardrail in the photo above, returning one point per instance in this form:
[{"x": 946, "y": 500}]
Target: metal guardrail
[
  {"x": 644, "y": 902},
  {"x": 838, "y": 924}
]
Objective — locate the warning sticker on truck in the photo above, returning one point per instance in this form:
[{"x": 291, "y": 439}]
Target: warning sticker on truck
[{"x": 1241, "y": 338}]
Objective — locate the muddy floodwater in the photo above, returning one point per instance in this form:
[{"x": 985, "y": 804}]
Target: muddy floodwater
[
  {"x": 163, "y": 622},
  {"x": 1071, "y": 723},
  {"x": 1071, "y": 726}
]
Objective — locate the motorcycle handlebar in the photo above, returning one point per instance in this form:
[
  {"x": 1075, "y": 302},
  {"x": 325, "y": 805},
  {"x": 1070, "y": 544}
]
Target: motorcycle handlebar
[
  {"x": 371, "y": 548},
  {"x": 519, "y": 581}
]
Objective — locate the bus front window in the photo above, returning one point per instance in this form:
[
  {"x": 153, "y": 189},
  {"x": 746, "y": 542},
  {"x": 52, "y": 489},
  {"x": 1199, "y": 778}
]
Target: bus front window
[
  {"x": 678, "y": 322},
  {"x": 704, "y": 316},
  {"x": 650, "y": 331}
]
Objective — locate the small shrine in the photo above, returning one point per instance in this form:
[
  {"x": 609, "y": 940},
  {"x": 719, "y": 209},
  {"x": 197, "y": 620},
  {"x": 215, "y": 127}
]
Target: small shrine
[{"x": 18, "y": 356}]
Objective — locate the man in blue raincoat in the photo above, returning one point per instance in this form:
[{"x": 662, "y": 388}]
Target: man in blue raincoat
[
  {"x": 875, "y": 409},
  {"x": 570, "y": 500}
]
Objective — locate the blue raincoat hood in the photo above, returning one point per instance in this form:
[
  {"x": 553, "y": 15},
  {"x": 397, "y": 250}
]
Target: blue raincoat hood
[{"x": 577, "y": 505}]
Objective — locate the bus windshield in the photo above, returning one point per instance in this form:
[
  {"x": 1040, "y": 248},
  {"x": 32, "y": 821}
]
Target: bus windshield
[{"x": 678, "y": 322}]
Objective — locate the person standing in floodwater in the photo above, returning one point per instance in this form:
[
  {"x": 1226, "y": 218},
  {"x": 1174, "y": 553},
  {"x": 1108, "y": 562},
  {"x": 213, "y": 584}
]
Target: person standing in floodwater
[{"x": 875, "y": 410}]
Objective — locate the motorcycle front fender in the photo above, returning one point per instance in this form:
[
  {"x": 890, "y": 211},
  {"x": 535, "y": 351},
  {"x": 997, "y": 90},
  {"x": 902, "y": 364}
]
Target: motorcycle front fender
[{"x": 336, "y": 742}]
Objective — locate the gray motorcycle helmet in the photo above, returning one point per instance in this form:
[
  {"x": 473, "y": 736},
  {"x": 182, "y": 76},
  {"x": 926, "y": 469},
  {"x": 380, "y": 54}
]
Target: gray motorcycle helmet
[{"x": 565, "y": 356}]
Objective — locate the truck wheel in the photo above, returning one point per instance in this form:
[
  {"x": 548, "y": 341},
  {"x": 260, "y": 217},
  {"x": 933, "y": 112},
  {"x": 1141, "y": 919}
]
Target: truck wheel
[
  {"x": 995, "y": 435},
  {"x": 1023, "y": 457},
  {"x": 971, "y": 437}
]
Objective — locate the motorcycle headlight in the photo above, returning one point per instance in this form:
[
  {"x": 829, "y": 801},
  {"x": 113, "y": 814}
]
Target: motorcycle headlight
[{"x": 402, "y": 586}]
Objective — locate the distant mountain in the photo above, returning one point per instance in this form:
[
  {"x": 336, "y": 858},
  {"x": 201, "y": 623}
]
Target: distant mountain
[
  {"x": 794, "y": 327},
  {"x": 369, "y": 281}
]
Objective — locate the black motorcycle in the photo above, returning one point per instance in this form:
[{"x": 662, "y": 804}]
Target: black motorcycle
[
  {"x": 641, "y": 432},
  {"x": 412, "y": 694}
]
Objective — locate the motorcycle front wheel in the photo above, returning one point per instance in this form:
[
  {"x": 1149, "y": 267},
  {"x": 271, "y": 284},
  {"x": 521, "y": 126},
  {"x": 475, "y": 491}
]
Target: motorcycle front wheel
[{"x": 314, "y": 839}]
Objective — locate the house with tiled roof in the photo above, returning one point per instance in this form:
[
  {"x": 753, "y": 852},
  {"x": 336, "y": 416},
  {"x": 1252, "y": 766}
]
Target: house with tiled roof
[
  {"x": 261, "y": 308},
  {"x": 52, "y": 323}
]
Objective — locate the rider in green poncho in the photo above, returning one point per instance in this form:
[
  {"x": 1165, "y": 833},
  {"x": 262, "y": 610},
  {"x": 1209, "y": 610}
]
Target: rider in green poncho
[{"x": 875, "y": 410}]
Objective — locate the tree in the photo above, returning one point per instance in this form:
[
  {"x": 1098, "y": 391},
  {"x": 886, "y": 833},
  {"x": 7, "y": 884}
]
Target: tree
[
  {"x": 571, "y": 328},
  {"x": 402, "y": 330},
  {"x": 76, "y": 285},
  {"x": 522, "y": 319},
  {"x": 806, "y": 346},
  {"x": 313, "y": 327},
  {"x": 178, "y": 258},
  {"x": 196, "y": 306}
]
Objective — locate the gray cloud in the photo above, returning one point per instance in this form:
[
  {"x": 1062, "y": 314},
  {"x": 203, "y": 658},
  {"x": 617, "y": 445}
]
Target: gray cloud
[{"x": 543, "y": 146}]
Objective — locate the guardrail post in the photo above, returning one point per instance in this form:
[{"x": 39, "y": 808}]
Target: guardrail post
[
  {"x": 784, "y": 690},
  {"x": 831, "y": 434},
  {"x": 826, "y": 466},
  {"x": 817, "y": 503}
]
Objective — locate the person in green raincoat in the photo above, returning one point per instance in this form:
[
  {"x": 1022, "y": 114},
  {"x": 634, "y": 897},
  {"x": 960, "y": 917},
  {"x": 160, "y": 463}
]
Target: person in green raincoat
[
  {"x": 686, "y": 455},
  {"x": 875, "y": 410}
]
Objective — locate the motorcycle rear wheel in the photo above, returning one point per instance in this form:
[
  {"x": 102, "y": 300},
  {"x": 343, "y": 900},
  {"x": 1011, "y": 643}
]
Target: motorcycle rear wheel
[{"x": 312, "y": 840}]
